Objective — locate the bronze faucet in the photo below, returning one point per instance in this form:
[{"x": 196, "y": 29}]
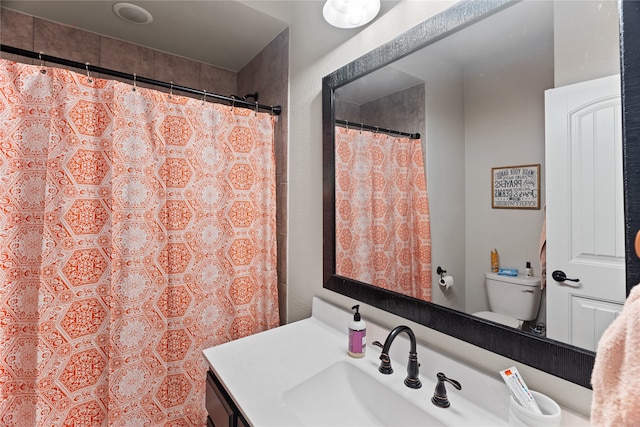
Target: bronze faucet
[{"x": 412, "y": 380}]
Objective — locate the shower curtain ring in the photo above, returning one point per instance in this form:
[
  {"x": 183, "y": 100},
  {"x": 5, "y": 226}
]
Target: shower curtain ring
[
  {"x": 42, "y": 70},
  {"x": 233, "y": 103},
  {"x": 204, "y": 96},
  {"x": 377, "y": 129},
  {"x": 86, "y": 66},
  {"x": 134, "y": 82},
  {"x": 255, "y": 112},
  {"x": 346, "y": 123},
  {"x": 361, "y": 127},
  {"x": 170, "y": 90}
]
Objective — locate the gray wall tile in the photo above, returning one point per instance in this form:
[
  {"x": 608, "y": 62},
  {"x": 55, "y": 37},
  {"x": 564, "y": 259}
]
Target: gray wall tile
[
  {"x": 180, "y": 71},
  {"x": 66, "y": 42},
  {"x": 16, "y": 29},
  {"x": 126, "y": 57}
]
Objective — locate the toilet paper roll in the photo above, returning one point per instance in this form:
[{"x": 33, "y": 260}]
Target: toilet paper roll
[{"x": 446, "y": 282}]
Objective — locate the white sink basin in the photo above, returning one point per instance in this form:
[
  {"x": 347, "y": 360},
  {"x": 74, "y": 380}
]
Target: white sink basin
[
  {"x": 302, "y": 376},
  {"x": 345, "y": 395}
]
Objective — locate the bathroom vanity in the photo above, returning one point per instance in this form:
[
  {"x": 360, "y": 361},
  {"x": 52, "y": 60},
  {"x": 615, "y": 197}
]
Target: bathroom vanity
[
  {"x": 300, "y": 375},
  {"x": 221, "y": 409}
]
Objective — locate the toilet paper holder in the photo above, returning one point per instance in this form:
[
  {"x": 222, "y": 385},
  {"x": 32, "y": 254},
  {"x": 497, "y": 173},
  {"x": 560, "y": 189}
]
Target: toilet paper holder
[{"x": 445, "y": 282}]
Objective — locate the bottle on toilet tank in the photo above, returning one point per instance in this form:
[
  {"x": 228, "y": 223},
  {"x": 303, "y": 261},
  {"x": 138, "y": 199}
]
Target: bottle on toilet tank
[
  {"x": 528, "y": 271},
  {"x": 495, "y": 263}
]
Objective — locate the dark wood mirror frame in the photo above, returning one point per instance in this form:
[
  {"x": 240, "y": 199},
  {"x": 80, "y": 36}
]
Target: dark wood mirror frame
[{"x": 559, "y": 359}]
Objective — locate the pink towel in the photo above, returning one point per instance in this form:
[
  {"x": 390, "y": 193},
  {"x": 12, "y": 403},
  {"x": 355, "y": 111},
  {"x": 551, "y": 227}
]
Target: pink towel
[
  {"x": 543, "y": 252},
  {"x": 616, "y": 372}
]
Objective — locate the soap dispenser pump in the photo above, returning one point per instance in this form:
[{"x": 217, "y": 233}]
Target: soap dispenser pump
[{"x": 357, "y": 334}]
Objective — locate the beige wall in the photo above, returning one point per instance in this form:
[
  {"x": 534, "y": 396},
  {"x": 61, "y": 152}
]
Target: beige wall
[
  {"x": 446, "y": 178},
  {"x": 310, "y": 61},
  {"x": 507, "y": 130},
  {"x": 584, "y": 34}
]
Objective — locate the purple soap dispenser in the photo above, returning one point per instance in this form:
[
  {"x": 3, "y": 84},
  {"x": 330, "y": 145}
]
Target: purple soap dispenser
[{"x": 357, "y": 334}]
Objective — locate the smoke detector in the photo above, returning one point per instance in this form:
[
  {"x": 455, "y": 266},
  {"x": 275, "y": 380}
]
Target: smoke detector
[{"x": 132, "y": 13}]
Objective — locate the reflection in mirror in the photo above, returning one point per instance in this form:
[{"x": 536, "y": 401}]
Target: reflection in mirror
[
  {"x": 382, "y": 211},
  {"x": 463, "y": 142},
  {"x": 477, "y": 97}
]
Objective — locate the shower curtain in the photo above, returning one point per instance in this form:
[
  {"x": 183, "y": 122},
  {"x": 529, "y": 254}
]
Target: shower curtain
[
  {"x": 137, "y": 228},
  {"x": 382, "y": 213}
]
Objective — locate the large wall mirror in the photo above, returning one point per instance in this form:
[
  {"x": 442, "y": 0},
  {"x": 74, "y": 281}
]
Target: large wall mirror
[{"x": 480, "y": 84}]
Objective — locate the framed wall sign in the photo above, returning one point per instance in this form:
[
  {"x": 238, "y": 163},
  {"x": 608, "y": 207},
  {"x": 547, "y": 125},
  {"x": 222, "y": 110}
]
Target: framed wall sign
[{"x": 515, "y": 187}]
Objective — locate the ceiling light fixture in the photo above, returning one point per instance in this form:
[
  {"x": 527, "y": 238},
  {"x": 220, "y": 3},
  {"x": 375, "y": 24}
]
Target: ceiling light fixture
[
  {"x": 350, "y": 13},
  {"x": 132, "y": 13}
]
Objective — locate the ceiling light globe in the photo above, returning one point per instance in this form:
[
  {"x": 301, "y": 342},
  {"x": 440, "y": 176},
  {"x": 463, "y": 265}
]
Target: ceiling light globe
[{"x": 350, "y": 13}]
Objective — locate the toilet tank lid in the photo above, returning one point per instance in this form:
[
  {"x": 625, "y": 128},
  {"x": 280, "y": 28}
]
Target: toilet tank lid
[{"x": 520, "y": 279}]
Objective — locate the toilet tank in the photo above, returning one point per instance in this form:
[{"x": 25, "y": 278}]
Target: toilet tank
[{"x": 514, "y": 296}]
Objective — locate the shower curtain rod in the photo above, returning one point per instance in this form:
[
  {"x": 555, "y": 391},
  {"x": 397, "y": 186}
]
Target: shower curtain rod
[
  {"x": 235, "y": 101},
  {"x": 377, "y": 129}
]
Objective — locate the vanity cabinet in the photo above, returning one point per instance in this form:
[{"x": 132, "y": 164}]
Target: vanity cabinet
[{"x": 221, "y": 410}]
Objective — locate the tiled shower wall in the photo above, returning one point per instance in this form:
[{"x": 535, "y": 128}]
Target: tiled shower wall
[
  {"x": 402, "y": 110},
  {"x": 266, "y": 74}
]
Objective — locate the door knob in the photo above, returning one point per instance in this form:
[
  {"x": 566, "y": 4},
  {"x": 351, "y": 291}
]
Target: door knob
[{"x": 559, "y": 276}]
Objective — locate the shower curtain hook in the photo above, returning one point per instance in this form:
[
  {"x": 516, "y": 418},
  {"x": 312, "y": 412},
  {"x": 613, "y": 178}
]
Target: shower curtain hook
[
  {"x": 255, "y": 112},
  {"x": 233, "y": 103},
  {"x": 170, "y": 90},
  {"x": 86, "y": 66},
  {"x": 134, "y": 81},
  {"x": 204, "y": 96},
  {"x": 377, "y": 129},
  {"x": 346, "y": 123},
  {"x": 42, "y": 70},
  {"x": 361, "y": 127}
]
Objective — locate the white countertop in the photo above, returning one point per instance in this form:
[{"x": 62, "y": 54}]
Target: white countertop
[{"x": 257, "y": 371}]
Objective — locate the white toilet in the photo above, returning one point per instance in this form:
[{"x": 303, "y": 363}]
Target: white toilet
[{"x": 512, "y": 299}]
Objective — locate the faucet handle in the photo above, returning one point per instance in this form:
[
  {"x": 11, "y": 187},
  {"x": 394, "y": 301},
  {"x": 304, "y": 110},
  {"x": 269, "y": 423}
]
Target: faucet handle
[
  {"x": 440, "y": 395},
  {"x": 385, "y": 360}
]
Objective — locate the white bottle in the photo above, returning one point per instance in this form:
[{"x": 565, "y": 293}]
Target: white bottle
[
  {"x": 528, "y": 270},
  {"x": 357, "y": 335}
]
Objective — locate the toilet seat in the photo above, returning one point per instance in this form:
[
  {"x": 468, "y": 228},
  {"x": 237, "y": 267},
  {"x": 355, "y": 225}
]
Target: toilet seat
[{"x": 500, "y": 318}]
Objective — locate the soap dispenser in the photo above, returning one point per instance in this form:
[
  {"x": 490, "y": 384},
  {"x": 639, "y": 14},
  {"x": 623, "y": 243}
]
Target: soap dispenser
[{"x": 357, "y": 334}]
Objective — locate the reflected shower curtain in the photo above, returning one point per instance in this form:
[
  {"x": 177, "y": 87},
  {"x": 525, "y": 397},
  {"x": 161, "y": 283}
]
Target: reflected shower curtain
[
  {"x": 136, "y": 229},
  {"x": 382, "y": 213}
]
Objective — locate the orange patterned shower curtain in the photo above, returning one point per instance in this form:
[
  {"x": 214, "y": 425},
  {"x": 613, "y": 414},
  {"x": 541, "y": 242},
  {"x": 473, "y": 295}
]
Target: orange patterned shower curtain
[
  {"x": 136, "y": 229},
  {"x": 382, "y": 213}
]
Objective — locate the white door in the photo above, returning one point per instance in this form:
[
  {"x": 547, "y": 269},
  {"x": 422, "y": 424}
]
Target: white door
[{"x": 585, "y": 218}]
